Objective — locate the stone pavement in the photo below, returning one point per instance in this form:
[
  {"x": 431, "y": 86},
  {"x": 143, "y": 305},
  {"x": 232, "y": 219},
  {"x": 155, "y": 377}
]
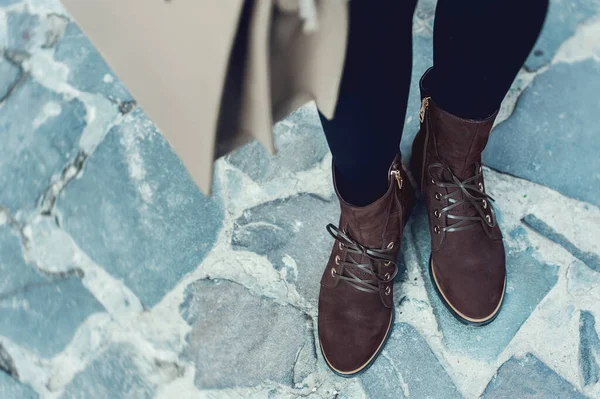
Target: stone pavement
[{"x": 120, "y": 280}]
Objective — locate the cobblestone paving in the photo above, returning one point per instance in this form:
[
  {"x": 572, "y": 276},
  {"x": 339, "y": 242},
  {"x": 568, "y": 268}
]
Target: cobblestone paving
[{"x": 120, "y": 280}]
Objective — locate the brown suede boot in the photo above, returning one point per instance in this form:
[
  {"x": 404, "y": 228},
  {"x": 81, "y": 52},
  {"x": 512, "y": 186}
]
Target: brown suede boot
[
  {"x": 356, "y": 298},
  {"x": 467, "y": 263}
]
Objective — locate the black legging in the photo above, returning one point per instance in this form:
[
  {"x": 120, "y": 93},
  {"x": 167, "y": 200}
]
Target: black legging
[{"x": 478, "y": 48}]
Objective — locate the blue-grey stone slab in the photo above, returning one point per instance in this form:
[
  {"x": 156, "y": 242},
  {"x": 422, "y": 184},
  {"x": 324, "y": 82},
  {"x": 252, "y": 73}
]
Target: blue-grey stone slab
[
  {"x": 528, "y": 281},
  {"x": 87, "y": 69},
  {"x": 564, "y": 16},
  {"x": 16, "y": 273},
  {"x": 408, "y": 359},
  {"x": 23, "y": 29},
  {"x": 40, "y": 133},
  {"x": 292, "y": 227},
  {"x": 239, "y": 339},
  {"x": 300, "y": 146},
  {"x": 37, "y": 312},
  {"x": 529, "y": 378},
  {"x": 6, "y": 3},
  {"x": 44, "y": 317},
  {"x": 591, "y": 259},
  {"x": 115, "y": 374},
  {"x": 552, "y": 127},
  {"x": 137, "y": 213},
  {"x": 9, "y": 75},
  {"x": 589, "y": 348},
  {"x": 12, "y": 389}
]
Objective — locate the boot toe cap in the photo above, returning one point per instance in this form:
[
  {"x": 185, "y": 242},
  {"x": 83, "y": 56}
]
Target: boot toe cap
[
  {"x": 474, "y": 296},
  {"x": 351, "y": 339}
]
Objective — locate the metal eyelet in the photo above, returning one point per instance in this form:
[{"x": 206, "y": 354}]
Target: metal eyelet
[
  {"x": 488, "y": 218},
  {"x": 436, "y": 213},
  {"x": 340, "y": 246},
  {"x": 480, "y": 169},
  {"x": 433, "y": 181},
  {"x": 333, "y": 272},
  {"x": 337, "y": 260},
  {"x": 436, "y": 229},
  {"x": 388, "y": 290},
  {"x": 484, "y": 204},
  {"x": 387, "y": 263},
  {"x": 390, "y": 245},
  {"x": 387, "y": 276},
  {"x": 481, "y": 187},
  {"x": 438, "y": 196}
]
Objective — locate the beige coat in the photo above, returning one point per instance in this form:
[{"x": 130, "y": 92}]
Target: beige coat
[{"x": 213, "y": 74}]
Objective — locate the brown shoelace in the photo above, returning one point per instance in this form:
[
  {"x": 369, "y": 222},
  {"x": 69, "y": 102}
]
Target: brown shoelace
[
  {"x": 470, "y": 192},
  {"x": 352, "y": 247}
]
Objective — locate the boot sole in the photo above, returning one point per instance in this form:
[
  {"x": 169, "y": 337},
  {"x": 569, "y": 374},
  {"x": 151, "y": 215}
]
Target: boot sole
[
  {"x": 370, "y": 362},
  {"x": 459, "y": 316}
]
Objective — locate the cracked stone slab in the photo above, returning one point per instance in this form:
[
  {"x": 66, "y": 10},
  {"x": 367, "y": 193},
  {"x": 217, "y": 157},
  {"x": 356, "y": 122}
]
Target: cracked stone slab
[
  {"x": 589, "y": 349},
  {"x": 235, "y": 336},
  {"x": 529, "y": 378},
  {"x": 87, "y": 69},
  {"x": 291, "y": 233},
  {"x": 543, "y": 134},
  {"x": 11, "y": 388},
  {"x": 117, "y": 373},
  {"x": 137, "y": 212},
  {"x": 564, "y": 16},
  {"x": 591, "y": 259},
  {"x": 41, "y": 131},
  {"x": 528, "y": 281},
  {"x": 408, "y": 369}
]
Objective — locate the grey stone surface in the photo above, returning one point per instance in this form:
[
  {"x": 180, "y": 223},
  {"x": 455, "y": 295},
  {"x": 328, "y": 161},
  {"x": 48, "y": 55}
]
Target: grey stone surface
[
  {"x": 543, "y": 135},
  {"x": 529, "y": 378},
  {"x": 12, "y": 389},
  {"x": 87, "y": 69},
  {"x": 292, "y": 227},
  {"x": 40, "y": 133},
  {"x": 591, "y": 259},
  {"x": 564, "y": 16},
  {"x": 115, "y": 374},
  {"x": 528, "y": 281},
  {"x": 137, "y": 212},
  {"x": 236, "y": 336},
  {"x": 44, "y": 317},
  {"x": 9, "y": 75},
  {"x": 408, "y": 368},
  {"x": 589, "y": 349},
  {"x": 300, "y": 145},
  {"x": 37, "y": 312}
]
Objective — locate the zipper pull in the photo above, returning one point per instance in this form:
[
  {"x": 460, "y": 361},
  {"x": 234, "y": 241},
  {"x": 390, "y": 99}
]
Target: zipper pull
[
  {"x": 424, "y": 105},
  {"x": 396, "y": 173}
]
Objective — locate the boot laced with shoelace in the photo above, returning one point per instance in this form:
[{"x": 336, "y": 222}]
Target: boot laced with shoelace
[
  {"x": 467, "y": 263},
  {"x": 356, "y": 297}
]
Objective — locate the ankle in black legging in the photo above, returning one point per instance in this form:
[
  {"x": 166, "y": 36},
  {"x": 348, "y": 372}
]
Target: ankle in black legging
[{"x": 479, "y": 47}]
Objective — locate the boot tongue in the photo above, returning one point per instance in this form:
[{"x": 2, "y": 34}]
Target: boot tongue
[
  {"x": 459, "y": 144},
  {"x": 366, "y": 225}
]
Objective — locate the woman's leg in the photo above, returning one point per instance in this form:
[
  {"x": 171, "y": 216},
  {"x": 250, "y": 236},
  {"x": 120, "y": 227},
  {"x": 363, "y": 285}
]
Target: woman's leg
[
  {"x": 364, "y": 136},
  {"x": 478, "y": 48},
  {"x": 356, "y": 305}
]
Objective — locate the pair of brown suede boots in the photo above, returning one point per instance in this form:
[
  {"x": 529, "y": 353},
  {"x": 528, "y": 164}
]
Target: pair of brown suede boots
[{"x": 467, "y": 263}]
